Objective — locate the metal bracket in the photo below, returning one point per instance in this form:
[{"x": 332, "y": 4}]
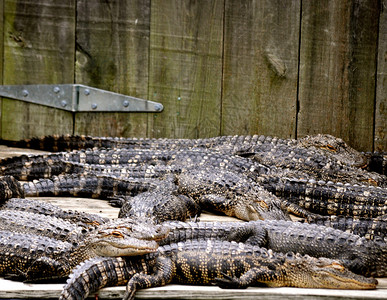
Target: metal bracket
[{"x": 78, "y": 98}]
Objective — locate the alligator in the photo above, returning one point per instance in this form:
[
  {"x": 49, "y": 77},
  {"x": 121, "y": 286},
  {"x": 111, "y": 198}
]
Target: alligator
[
  {"x": 317, "y": 165},
  {"x": 9, "y": 188},
  {"x": 320, "y": 143},
  {"x": 200, "y": 262},
  {"x": 47, "y": 165},
  {"x": 377, "y": 162},
  {"x": 216, "y": 190},
  {"x": 52, "y": 227},
  {"x": 370, "y": 228},
  {"x": 328, "y": 198},
  {"x": 360, "y": 255},
  {"x": 90, "y": 186},
  {"x": 35, "y": 258},
  {"x": 43, "y": 208},
  {"x": 227, "y": 191},
  {"x": 159, "y": 204},
  {"x": 232, "y": 194}
]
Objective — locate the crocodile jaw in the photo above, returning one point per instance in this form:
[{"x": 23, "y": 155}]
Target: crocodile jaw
[
  {"x": 333, "y": 275},
  {"x": 125, "y": 247}
]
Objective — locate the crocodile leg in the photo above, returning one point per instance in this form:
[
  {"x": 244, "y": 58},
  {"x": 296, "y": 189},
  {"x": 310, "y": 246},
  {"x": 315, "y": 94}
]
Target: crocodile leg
[{"x": 162, "y": 276}]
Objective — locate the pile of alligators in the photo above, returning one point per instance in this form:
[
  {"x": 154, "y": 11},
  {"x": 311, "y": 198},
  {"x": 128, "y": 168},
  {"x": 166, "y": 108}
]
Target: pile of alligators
[{"x": 338, "y": 193}]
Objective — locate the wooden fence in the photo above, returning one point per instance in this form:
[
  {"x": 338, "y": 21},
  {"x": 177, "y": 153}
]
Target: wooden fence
[{"x": 286, "y": 68}]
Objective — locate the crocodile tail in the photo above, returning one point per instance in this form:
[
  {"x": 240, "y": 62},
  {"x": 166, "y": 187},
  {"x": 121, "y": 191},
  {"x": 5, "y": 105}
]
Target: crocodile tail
[{"x": 98, "y": 272}]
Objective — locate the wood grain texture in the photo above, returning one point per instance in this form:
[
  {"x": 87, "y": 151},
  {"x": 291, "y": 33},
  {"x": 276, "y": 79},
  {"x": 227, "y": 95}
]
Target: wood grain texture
[
  {"x": 380, "y": 140},
  {"x": 1, "y": 56},
  {"x": 38, "y": 49},
  {"x": 112, "y": 53},
  {"x": 185, "y": 68},
  {"x": 260, "y": 67},
  {"x": 1, "y": 43},
  {"x": 337, "y": 70}
]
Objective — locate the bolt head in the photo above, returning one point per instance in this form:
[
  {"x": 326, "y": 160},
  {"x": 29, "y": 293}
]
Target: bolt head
[
  {"x": 94, "y": 105},
  {"x": 56, "y": 90},
  {"x": 125, "y": 103},
  {"x": 87, "y": 92},
  {"x": 63, "y": 103},
  {"x": 158, "y": 107},
  {"x": 25, "y": 93}
]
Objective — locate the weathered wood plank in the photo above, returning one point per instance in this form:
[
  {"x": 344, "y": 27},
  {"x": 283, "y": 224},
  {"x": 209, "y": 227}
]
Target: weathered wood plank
[
  {"x": 38, "y": 49},
  {"x": 1, "y": 43},
  {"x": 112, "y": 53},
  {"x": 260, "y": 67},
  {"x": 337, "y": 70},
  {"x": 186, "y": 67},
  {"x": 1, "y": 55},
  {"x": 380, "y": 141},
  {"x": 18, "y": 290}
]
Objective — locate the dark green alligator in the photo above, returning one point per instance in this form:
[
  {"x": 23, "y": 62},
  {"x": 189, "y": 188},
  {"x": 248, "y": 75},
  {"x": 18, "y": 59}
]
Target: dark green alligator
[{"x": 203, "y": 262}]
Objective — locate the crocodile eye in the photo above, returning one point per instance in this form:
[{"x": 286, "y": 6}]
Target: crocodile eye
[
  {"x": 117, "y": 234},
  {"x": 330, "y": 147},
  {"x": 125, "y": 227},
  {"x": 337, "y": 266}
]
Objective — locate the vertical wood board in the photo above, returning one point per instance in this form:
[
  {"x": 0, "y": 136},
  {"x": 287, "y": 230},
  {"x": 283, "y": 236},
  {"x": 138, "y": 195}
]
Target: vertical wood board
[
  {"x": 112, "y": 53},
  {"x": 1, "y": 42},
  {"x": 260, "y": 67},
  {"x": 1, "y": 55},
  {"x": 337, "y": 70},
  {"x": 38, "y": 49},
  {"x": 380, "y": 142},
  {"x": 185, "y": 69}
]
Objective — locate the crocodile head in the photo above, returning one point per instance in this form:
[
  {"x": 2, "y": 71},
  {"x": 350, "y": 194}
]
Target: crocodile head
[
  {"x": 126, "y": 237},
  {"x": 336, "y": 148},
  {"x": 328, "y": 274},
  {"x": 264, "y": 207}
]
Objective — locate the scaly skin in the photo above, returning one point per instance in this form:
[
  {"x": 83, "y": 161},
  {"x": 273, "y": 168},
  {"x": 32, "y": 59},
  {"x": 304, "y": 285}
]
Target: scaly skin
[
  {"x": 99, "y": 272},
  {"x": 377, "y": 162},
  {"x": 45, "y": 166},
  {"x": 160, "y": 204},
  {"x": 39, "y": 207},
  {"x": 328, "y": 198},
  {"x": 370, "y": 228},
  {"x": 326, "y": 145},
  {"x": 230, "y": 265},
  {"x": 32, "y": 223},
  {"x": 232, "y": 194},
  {"x": 34, "y": 258},
  {"x": 316, "y": 164},
  {"x": 89, "y": 186},
  {"x": 9, "y": 188},
  {"x": 360, "y": 255}
]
